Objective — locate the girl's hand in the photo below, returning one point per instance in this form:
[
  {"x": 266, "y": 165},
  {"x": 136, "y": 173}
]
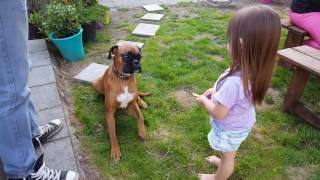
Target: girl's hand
[
  {"x": 208, "y": 93},
  {"x": 201, "y": 99}
]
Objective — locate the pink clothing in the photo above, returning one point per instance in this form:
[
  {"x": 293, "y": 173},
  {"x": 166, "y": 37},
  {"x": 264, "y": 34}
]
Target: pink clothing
[{"x": 310, "y": 22}]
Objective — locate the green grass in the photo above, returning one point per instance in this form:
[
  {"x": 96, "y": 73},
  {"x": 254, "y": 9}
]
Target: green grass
[{"x": 181, "y": 56}]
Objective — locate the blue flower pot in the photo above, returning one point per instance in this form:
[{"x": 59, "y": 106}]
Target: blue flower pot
[{"x": 71, "y": 47}]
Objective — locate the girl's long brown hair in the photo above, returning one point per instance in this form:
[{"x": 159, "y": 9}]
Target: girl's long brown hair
[{"x": 253, "y": 36}]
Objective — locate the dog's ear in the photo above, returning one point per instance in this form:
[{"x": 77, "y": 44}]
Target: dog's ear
[
  {"x": 112, "y": 51},
  {"x": 140, "y": 51}
]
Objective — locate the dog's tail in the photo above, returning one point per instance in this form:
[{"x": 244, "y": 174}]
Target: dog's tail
[{"x": 141, "y": 94}]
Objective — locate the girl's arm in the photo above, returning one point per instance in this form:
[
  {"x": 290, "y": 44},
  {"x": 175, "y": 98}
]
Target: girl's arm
[{"x": 218, "y": 111}]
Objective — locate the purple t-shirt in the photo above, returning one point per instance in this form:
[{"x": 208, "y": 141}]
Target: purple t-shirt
[{"x": 230, "y": 93}]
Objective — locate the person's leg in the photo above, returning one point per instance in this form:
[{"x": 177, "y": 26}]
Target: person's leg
[
  {"x": 226, "y": 165},
  {"x": 309, "y": 22},
  {"x": 225, "y": 168},
  {"x": 214, "y": 160},
  {"x": 16, "y": 149}
]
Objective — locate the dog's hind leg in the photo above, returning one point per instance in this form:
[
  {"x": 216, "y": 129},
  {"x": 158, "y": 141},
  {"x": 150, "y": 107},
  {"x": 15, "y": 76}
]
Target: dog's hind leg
[
  {"x": 135, "y": 111},
  {"x": 98, "y": 85}
]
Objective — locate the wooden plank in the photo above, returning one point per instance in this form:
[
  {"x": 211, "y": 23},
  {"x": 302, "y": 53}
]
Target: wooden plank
[
  {"x": 310, "y": 51},
  {"x": 285, "y": 23},
  {"x": 307, "y": 115},
  {"x": 301, "y": 60},
  {"x": 295, "y": 89}
]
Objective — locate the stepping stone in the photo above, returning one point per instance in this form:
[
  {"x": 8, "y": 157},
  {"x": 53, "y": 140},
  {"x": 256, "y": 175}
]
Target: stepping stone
[
  {"x": 90, "y": 73},
  {"x": 41, "y": 75},
  {"x": 139, "y": 44},
  {"x": 219, "y": 3},
  {"x": 143, "y": 29},
  {"x": 46, "y": 96},
  {"x": 153, "y": 7},
  {"x": 37, "y": 45},
  {"x": 152, "y": 17}
]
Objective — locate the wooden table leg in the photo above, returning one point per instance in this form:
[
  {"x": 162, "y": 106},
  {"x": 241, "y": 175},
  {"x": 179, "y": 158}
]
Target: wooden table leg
[
  {"x": 295, "y": 89},
  {"x": 307, "y": 115}
]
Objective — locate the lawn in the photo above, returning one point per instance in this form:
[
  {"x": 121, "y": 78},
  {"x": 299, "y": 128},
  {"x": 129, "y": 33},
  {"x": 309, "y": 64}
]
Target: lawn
[{"x": 188, "y": 54}]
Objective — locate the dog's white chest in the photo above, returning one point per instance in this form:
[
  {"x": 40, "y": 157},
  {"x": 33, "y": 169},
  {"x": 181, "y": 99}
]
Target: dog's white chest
[{"x": 125, "y": 97}]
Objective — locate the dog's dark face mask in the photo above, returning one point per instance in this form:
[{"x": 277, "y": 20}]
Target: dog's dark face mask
[{"x": 131, "y": 63}]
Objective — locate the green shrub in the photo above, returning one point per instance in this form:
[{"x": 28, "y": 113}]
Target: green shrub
[
  {"x": 91, "y": 13},
  {"x": 63, "y": 19}
]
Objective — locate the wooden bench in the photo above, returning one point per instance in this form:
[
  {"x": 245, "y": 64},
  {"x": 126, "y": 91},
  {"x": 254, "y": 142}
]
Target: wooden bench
[
  {"x": 295, "y": 35},
  {"x": 306, "y": 61}
]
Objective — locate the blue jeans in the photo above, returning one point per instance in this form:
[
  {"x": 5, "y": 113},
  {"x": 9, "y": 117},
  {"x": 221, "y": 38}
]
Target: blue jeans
[{"x": 17, "y": 112}]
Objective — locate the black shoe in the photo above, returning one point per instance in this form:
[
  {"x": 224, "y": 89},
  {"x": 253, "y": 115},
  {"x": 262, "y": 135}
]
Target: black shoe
[
  {"x": 41, "y": 172},
  {"x": 47, "y": 131}
]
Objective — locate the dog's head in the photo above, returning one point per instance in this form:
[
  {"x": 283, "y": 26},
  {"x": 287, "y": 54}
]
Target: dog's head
[{"x": 126, "y": 58}]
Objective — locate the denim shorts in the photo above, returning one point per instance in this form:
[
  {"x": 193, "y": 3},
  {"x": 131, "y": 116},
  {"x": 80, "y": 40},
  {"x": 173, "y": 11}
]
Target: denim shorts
[{"x": 226, "y": 141}]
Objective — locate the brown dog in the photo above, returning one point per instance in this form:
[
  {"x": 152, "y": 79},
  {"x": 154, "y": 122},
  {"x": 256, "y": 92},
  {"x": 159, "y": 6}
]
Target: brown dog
[{"x": 118, "y": 85}]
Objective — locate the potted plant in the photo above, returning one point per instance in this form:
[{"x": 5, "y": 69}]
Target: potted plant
[
  {"x": 89, "y": 15},
  {"x": 62, "y": 24}
]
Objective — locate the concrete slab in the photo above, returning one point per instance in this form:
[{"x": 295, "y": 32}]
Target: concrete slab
[
  {"x": 45, "y": 116},
  {"x": 144, "y": 29},
  {"x": 40, "y": 58},
  {"x": 37, "y": 45},
  {"x": 152, "y": 17},
  {"x": 139, "y": 44},
  {"x": 45, "y": 96},
  {"x": 90, "y": 73},
  {"x": 153, "y": 7},
  {"x": 133, "y": 4},
  {"x": 219, "y": 3},
  {"x": 41, "y": 75},
  {"x": 59, "y": 154}
]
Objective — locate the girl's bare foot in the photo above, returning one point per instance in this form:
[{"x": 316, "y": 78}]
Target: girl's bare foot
[
  {"x": 206, "y": 176},
  {"x": 213, "y": 160}
]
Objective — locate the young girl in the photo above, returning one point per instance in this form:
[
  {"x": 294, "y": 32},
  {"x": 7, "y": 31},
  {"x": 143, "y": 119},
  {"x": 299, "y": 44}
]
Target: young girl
[{"x": 253, "y": 38}]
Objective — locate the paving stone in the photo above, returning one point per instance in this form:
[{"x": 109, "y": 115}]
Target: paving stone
[
  {"x": 131, "y": 4},
  {"x": 152, "y": 17},
  {"x": 144, "y": 29},
  {"x": 41, "y": 75},
  {"x": 45, "y": 116},
  {"x": 90, "y": 73},
  {"x": 139, "y": 44},
  {"x": 153, "y": 7},
  {"x": 40, "y": 58},
  {"x": 219, "y": 3},
  {"x": 45, "y": 96},
  {"x": 37, "y": 45},
  {"x": 59, "y": 154}
]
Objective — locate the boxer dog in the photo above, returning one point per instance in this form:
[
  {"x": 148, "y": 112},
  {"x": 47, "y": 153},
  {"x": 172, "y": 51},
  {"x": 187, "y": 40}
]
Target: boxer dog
[{"x": 118, "y": 85}]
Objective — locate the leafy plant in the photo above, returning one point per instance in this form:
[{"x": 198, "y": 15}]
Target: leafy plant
[
  {"x": 91, "y": 13},
  {"x": 63, "y": 19}
]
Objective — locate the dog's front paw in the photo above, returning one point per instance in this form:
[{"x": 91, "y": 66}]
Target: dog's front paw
[
  {"x": 115, "y": 153},
  {"x": 141, "y": 134}
]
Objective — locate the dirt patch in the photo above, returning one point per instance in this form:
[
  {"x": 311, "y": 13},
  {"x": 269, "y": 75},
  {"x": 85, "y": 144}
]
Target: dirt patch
[
  {"x": 184, "y": 98},
  {"x": 300, "y": 173},
  {"x": 271, "y": 98},
  {"x": 257, "y": 133},
  {"x": 162, "y": 134},
  {"x": 217, "y": 58},
  {"x": 203, "y": 36}
]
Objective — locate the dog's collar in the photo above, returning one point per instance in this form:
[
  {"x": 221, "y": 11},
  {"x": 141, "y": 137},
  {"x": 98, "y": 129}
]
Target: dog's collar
[{"x": 120, "y": 75}]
